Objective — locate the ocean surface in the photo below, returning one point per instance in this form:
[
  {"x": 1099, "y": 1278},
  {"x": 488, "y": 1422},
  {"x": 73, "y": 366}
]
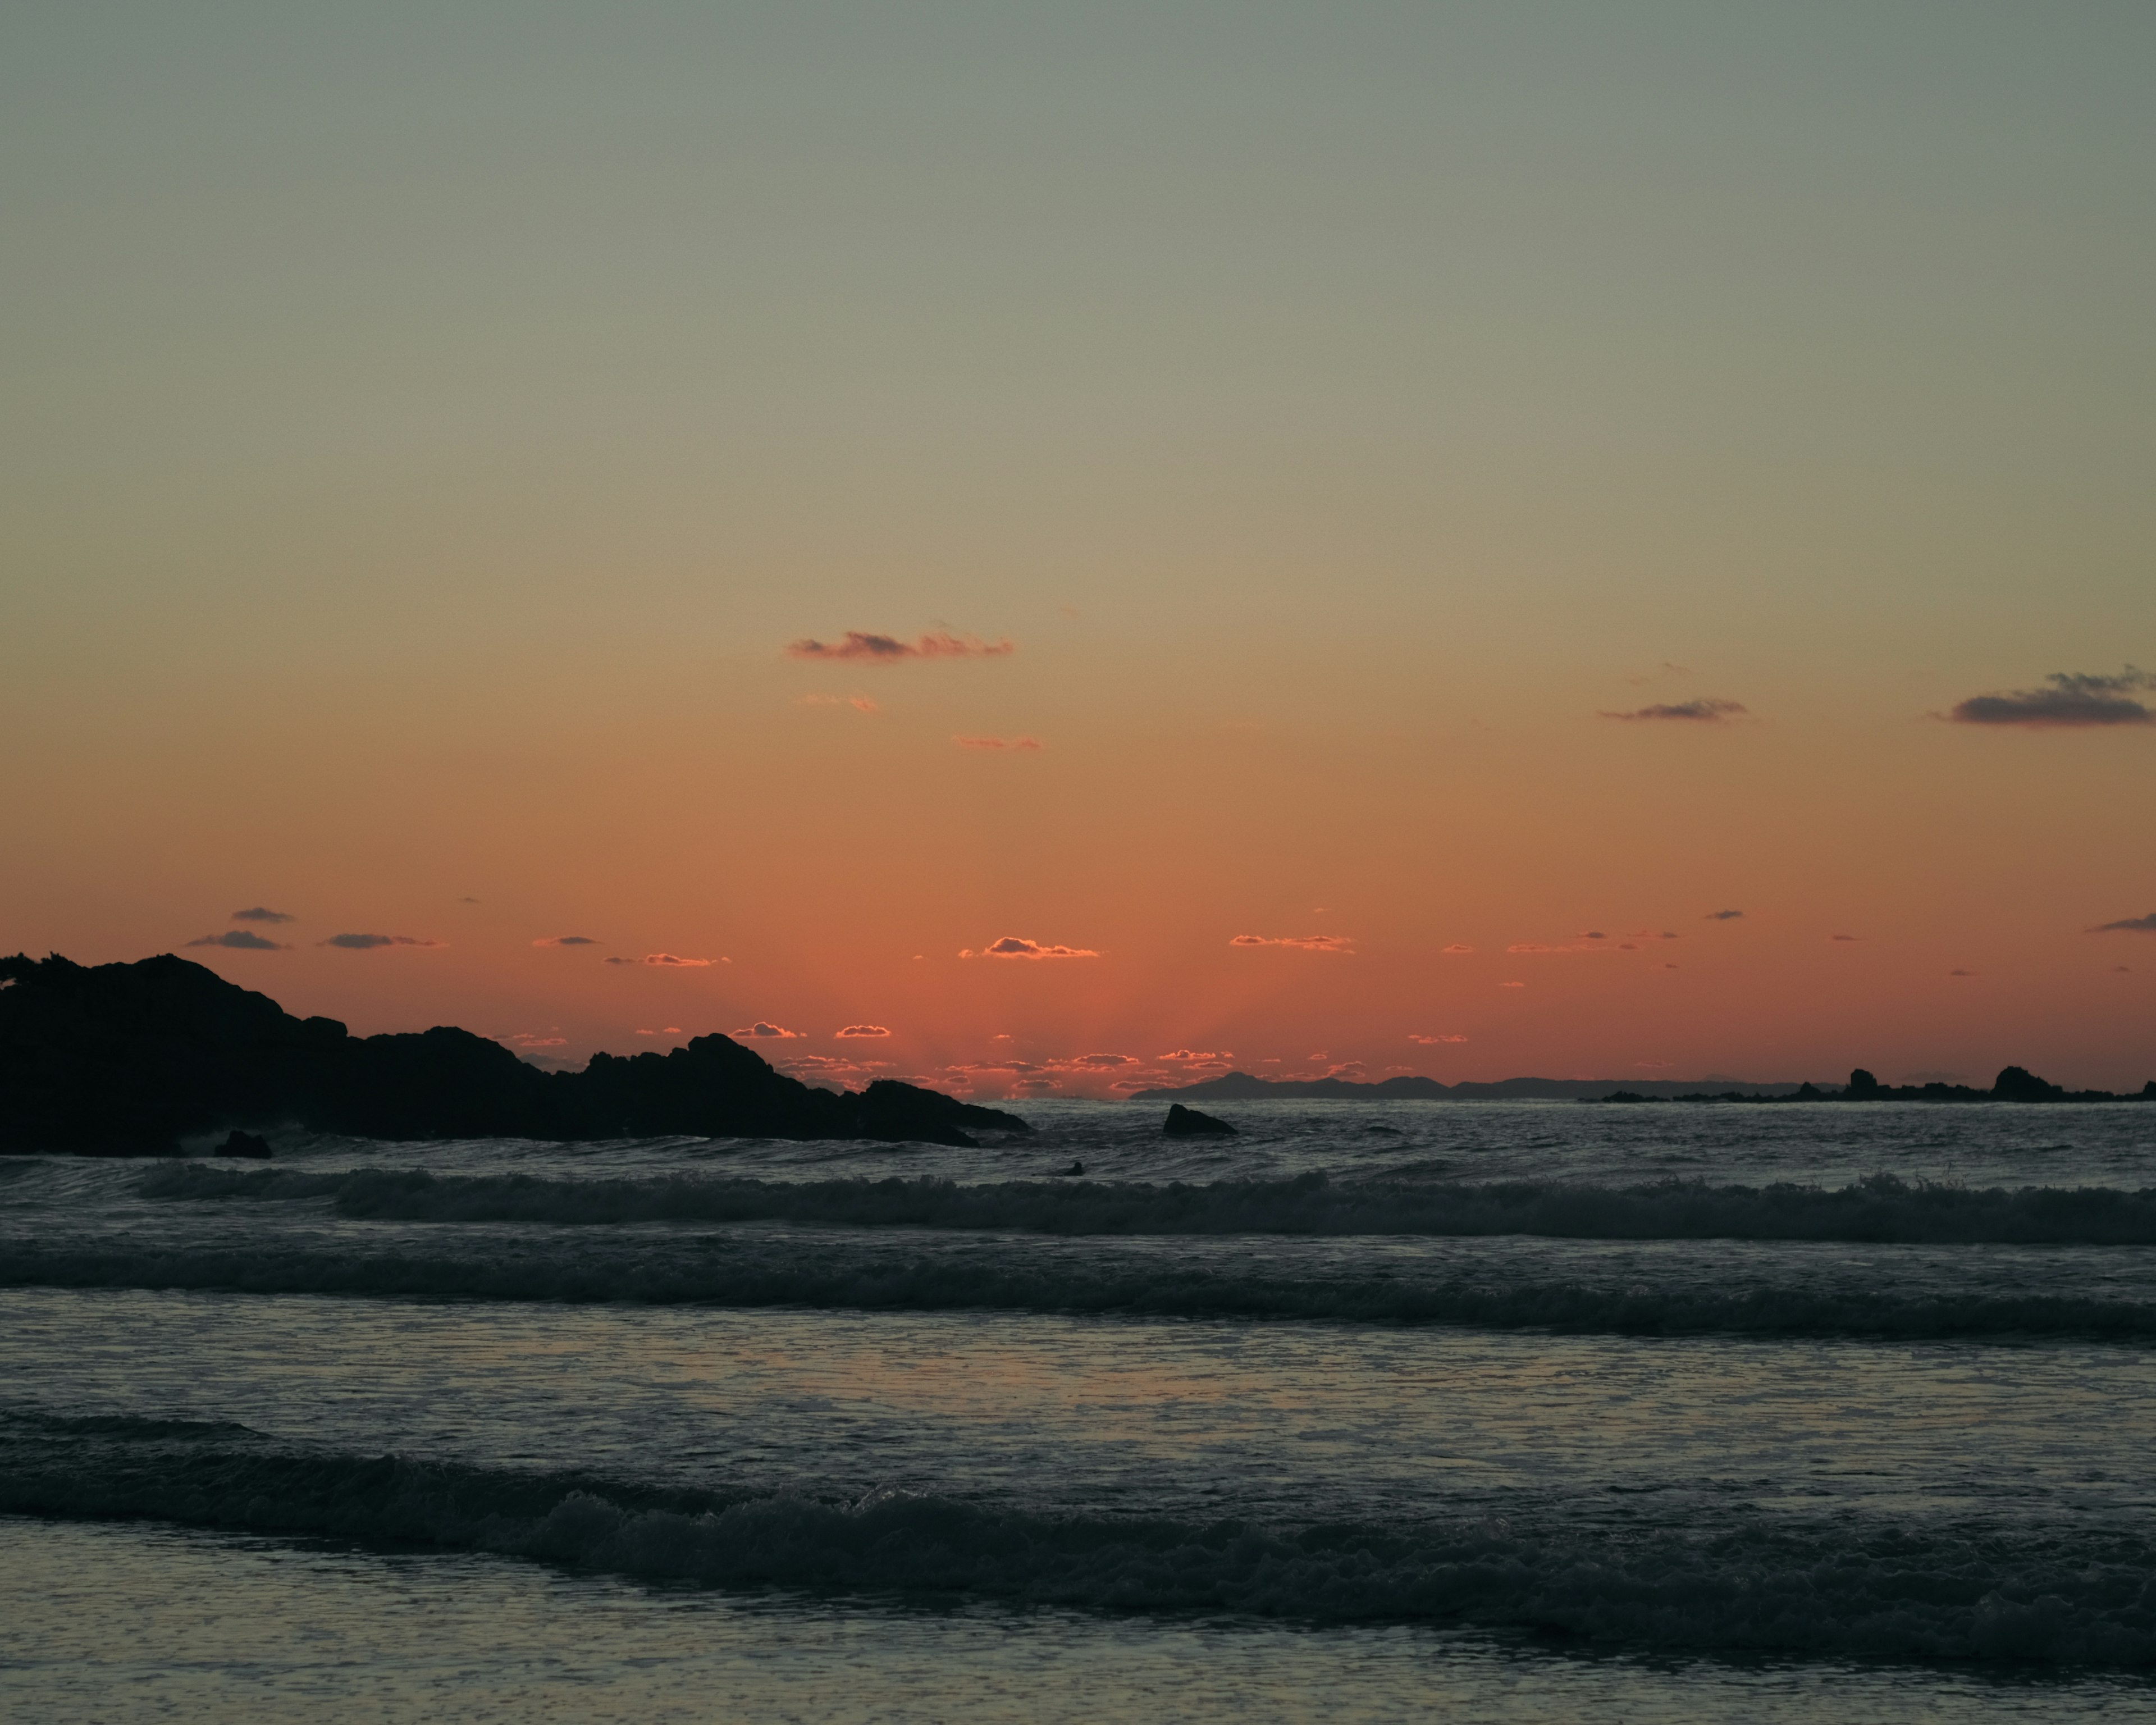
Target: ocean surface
[{"x": 1480, "y": 1410}]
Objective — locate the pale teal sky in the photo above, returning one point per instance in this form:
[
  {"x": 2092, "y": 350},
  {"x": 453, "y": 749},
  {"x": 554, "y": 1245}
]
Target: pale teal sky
[{"x": 389, "y": 391}]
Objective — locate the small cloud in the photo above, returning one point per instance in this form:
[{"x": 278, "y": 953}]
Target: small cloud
[
  {"x": 1022, "y": 745},
  {"x": 2071, "y": 701},
  {"x": 855, "y": 1030},
  {"x": 670, "y": 1030},
  {"x": 1850, "y": 937},
  {"x": 1094, "y": 1063},
  {"x": 1961, "y": 972},
  {"x": 760, "y": 1031},
  {"x": 1303, "y": 942},
  {"x": 467, "y": 900},
  {"x": 2123, "y": 970},
  {"x": 1194, "y": 1056},
  {"x": 1594, "y": 935},
  {"x": 1523, "y": 985},
  {"x": 240, "y": 940},
  {"x": 1652, "y": 1065},
  {"x": 1707, "y": 709},
  {"x": 1431, "y": 1041},
  {"x": 262, "y": 913},
  {"x": 1626, "y": 947},
  {"x": 527, "y": 1039},
  {"x": 566, "y": 940},
  {"x": 1458, "y": 947},
  {"x": 672, "y": 960},
  {"x": 859, "y": 703},
  {"x": 1538, "y": 947},
  {"x": 1713, "y": 916},
  {"x": 1011, "y": 945},
  {"x": 2129, "y": 925},
  {"x": 888, "y": 650},
  {"x": 368, "y": 943}
]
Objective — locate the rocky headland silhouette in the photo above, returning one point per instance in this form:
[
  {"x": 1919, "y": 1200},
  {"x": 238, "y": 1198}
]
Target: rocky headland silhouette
[{"x": 122, "y": 1059}]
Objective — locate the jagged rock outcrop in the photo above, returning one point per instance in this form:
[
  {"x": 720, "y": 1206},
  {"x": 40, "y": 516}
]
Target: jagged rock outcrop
[
  {"x": 1184, "y": 1122},
  {"x": 130, "y": 1059}
]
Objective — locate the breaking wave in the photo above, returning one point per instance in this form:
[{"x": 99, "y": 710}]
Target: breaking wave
[
  {"x": 1881, "y": 1209},
  {"x": 1895, "y": 1590},
  {"x": 781, "y": 1270}
]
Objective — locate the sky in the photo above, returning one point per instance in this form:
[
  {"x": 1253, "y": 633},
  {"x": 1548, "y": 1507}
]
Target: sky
[{"x": 1587, "y": 540}]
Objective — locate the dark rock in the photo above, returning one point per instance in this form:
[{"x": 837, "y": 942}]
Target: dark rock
[
  {"x": 240, "y": 1143},
  {"x": 1076, "y": 1166},
  {"x": 1861, "y": 1083},
  {"x": 2018, "y": 1084},
  {"x": 1184, "y": 1122},
  {"x": 127, "y": 1059}
]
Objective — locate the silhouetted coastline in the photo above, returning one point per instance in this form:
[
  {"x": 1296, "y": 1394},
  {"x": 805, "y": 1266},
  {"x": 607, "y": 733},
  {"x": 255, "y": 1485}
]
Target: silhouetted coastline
[
  {"x": 2014, "y": 1083},
  {"x": 130, "y": 1060}
]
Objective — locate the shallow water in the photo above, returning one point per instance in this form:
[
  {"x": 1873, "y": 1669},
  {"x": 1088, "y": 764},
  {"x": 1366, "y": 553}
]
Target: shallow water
[{"x": 679, "y": 1466}]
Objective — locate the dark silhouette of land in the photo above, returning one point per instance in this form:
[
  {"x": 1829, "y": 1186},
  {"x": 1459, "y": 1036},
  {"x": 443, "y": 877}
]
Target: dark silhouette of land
[
  {"x": 122, "y": 1059},
  {"x": 2015, "y": 1084},
  {"x": 1184, "y": 1122}
]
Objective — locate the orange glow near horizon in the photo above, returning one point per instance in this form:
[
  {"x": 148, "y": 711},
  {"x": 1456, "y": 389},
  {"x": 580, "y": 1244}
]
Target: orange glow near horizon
[{"x": 1422, "y": 540}]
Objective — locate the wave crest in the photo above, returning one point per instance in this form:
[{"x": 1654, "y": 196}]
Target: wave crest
[
  {"x": 1894, "y": 1590},
  {"x": 1881, "y": 1209}
]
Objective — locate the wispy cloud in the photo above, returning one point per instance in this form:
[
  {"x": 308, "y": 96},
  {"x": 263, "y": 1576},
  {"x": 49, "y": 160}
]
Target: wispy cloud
[
  {"x": 870, "y": 648},
  {"x": 859, "y": 703},
  {"x": 1197, "y": 1057},
  {"x": 566, "y": 940},
  {"x": 368, "y": 943},
  {"x": 1706, "y": 709},
  {"x": 2070, "y": 700},
  {"x": 853, "y": 1031},
  {"x": 672, "y": 961},
  {"x": 1023, "y": 744},
  {"x": 1534, "y": 947},
  {"x": 262, "y": 913},
  {"x": 764, "y": 1031},
  {"x": 1432, "y": 1041},
  {"x": 2129, "y": 925},
  {"x": 1458, "y": 947},
  {"x": 1011, "y": 945},
  {"x": 1305, "y": 942},
  {"x": 241, "y": 941},
  {"x": 1715, "y": 916},
  {"x": 670, "y": 1030},
  {"x": 1849, "y": 937}
]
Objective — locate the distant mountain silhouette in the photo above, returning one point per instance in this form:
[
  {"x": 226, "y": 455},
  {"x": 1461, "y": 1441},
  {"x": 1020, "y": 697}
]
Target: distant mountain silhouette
[
  {"x": 127, "y": 1058},
  {"x": 1243, "y": 1087},
  {"x": 2015, "y": 1084}
]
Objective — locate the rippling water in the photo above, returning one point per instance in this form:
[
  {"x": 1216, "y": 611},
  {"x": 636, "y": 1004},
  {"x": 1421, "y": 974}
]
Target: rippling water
[{"x": 1519, "y": 1410}]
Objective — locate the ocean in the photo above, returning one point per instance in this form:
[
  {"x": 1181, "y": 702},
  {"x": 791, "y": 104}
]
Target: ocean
[{"x": 1488, "y": 1410}]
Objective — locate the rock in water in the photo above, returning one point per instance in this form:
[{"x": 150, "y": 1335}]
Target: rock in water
[
  {"x": 1188, "y": 1123},
  {"x": 240, "y": 1143}
]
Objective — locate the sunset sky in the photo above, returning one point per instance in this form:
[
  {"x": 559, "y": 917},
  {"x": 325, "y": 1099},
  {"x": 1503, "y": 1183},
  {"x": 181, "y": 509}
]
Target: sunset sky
[{"x": 1470, "y": 540}]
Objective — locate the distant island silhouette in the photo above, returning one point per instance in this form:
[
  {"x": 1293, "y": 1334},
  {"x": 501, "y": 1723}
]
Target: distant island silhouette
[
  {"x": 124, "y": 1059},
  {"x": 2015, "y": 1084}
]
